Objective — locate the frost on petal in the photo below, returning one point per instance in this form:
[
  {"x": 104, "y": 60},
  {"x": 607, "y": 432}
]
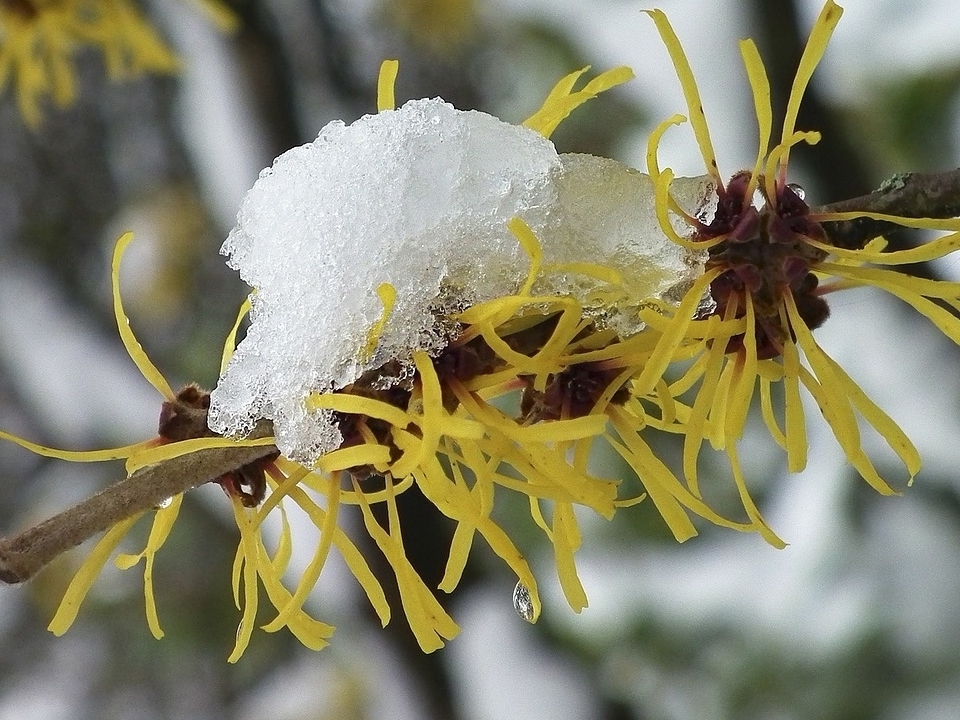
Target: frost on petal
[{"x": 419, "y": 198}]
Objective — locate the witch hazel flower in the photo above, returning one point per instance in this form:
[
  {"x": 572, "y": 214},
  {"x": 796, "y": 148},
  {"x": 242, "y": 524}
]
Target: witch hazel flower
[
  {"x": 40, "y": 38},
  {"x": 770, "y": 269}
]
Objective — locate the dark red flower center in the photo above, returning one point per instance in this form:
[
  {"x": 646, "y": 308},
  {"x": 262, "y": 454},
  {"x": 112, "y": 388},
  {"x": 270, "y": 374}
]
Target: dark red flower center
[{"x": 764, "y": 255}]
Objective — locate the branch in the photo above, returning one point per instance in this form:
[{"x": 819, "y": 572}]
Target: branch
[
  {"x": 23, "y": 555},
  {"x": 912, "y": 195}
]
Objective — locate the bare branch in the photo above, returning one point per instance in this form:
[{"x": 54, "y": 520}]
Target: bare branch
[
  {"x": 912, "y": 195},
  {"x": 23, "y": 555}
]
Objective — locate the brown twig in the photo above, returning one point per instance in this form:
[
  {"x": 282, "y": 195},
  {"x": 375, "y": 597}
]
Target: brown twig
[
  {"x": 23, "y": 555},
  {"x": 912, "y": 195}
]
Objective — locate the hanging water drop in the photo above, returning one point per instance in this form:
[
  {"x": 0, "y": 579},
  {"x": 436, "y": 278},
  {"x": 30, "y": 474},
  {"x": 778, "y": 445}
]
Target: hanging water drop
[
  {"x": 163, "y": 504},
  {"x": 523, "y": 603},
  {"x": 798, "y": 190}
]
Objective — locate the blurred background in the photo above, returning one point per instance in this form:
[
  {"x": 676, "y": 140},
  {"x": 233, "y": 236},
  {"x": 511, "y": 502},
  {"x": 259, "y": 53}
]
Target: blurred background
[{"x": 858, "y": 618}]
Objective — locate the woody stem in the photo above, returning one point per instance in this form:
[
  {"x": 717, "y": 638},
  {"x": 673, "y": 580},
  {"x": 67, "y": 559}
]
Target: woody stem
[
  {"x": 26, "y": 553},
  {"x": 912, "y": 195}
]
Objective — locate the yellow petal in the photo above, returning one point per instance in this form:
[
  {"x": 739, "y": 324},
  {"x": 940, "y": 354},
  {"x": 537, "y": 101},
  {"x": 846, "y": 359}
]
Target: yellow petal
[
  {"x": 760, "y": 86},
  {"x": 388, "y": 298},
  {"x": 429, "y": 621},
  {"x": 230, "y": 343},
  {"x": 812, "y": 53},
  {"x": 312, "y": 572},
  {"x": 923, "y": 223},
  {"x": 566, "y": 540},
  {"x": 769, "y": 416},
  {"x": 248, "y": 548},
  {"x": 752, "y": 511},
  {"x": 83, "y": 580},
  {"x": 690, "y": 91},
  {"x": 459, "y": 504},
  {"x": 911, "y": 290},
  {"x": 674, "y": 334},
  {"x": 562, "y": 101},
  {"x": 832, "y": 393},
  {"x": 357, "y": 405},
  {"x": 351, "y": 555},
  {"x": 531, "y": 246},
  {"x": 139, "y": 357},
  {"x": 795, "y": 422},
  {"x": 154, "y": 454},
  {"x": 77, "y": 455},
  {"x": 385, "y": 85},
  {"x": 742, "y": 395}
]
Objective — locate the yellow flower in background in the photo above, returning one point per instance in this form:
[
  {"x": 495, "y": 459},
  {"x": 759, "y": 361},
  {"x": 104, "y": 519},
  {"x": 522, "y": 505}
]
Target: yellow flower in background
[
  {"x": 442, "y": 27},
  {"x": 38, "y": 39},
  {"x": 770, "y": 267}
]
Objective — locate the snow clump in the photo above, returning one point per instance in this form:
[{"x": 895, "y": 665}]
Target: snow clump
[{"x": 418, "y": 197}]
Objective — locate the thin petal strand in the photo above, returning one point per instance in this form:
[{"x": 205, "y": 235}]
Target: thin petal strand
[
  {"x": 690, "y": 91},
  {"x": 139, "y": 357},
  {"x": 85, "y": 576},
  {"x": 812, "y": 53},
  {"x": 385, "y": 85}
]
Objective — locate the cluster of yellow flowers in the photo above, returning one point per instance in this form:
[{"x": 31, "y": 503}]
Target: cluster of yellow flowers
[
  {"x": 743, "y": 329},
  {"x": 38, "y": 39}
]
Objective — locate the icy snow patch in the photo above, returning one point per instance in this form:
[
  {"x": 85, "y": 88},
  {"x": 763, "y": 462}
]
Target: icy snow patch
[{"x": 417, "y": 197}]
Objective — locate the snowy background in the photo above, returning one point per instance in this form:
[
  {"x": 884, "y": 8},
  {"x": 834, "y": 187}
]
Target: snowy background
[{"x": 859, "y": 617}]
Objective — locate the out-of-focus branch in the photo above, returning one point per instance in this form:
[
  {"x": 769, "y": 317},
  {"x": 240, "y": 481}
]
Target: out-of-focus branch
[
  {"x": 912, "y": 195},
  {"x": 25, "y": 554}
]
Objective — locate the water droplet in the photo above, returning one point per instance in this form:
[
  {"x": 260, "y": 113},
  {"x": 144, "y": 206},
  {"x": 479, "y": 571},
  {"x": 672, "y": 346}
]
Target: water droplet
[
  {"x": 164, "y": 503},
  {"x": 797, "y": 190},
  {"x": 523, "y": 604}
]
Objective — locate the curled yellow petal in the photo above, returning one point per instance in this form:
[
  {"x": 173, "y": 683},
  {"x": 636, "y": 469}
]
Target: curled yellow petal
[
  {"x": 690, "y": 91},
  {"x": 778, "y": 157},
  {"x": 139, "y": 357},
  {"x": 674, "y": 334},
  {"x": 230, "y": 343},
  {"x": 117, "y": 453},
  {"x": 832, "y": 391},
  {"x": 531, "y": 246},
  {"x": 351, "y": 555},
  {"x": 247, "y": 550},
  {"x": 562, "y": 100},
  {"x": 163, "y": 521},
  {"x": 152, "y": 454},
  {"x": 933, "y": 250},
  {"x": 312, "y": 572},
  {"x": 357, "y": 405},
  {"x": 816, "y": 46},
  {"x": 388, "y": 297},
  {"x": 430, "y": 623}
]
